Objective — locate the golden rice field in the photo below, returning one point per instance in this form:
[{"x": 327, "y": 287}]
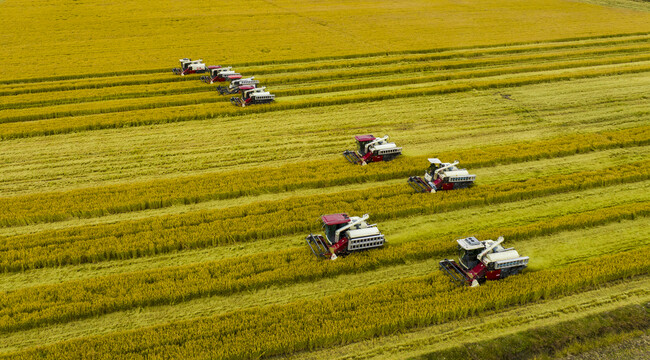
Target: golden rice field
[{"x": 142, "y": 216}]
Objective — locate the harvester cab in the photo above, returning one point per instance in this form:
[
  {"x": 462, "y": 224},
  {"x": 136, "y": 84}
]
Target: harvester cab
[
  {"x": 343, "y": 235},
  {"x": 372, "y": 149},
  {"x": 479, "y": 261},
  {"x": 253, "y": 96},
  {"x": 189, "y": 66},
  {"x": 220, "y": 74},
  {"x": 238, "y": 85},
  {"x": 442, "y": 176}
]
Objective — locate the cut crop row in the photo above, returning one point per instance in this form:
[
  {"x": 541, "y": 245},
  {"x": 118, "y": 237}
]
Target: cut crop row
[
  {"x": 92, "y": 202},
  {"x": 473, "y": 63},
  {"x": 552, "y": 340},
  {"x": 116, "y": 120},
  {"x": 139, "y": 89},
  {"x": 445, "y": 55},
  {"x": 73, "y": 300},
  {"x": 360, "y": 314},
  {"x": 274, "y": 218},
  {"x": 120, "y": 102}
]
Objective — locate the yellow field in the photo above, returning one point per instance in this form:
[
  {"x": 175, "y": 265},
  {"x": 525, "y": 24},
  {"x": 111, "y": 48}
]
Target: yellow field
[
  {"x": 142, "y": 216},
  {"x": 60, "y": 37}
]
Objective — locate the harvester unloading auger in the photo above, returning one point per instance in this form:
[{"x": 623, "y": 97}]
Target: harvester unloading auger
[
  {"x": 483, "y": 260},
  {"x": 238, "y": 85},
  {"x": 189, "y": 66},
  {"x": 343, "y": 235},
  {"x": 372, "y": 149},
  {"x": 442, "y": 176}
]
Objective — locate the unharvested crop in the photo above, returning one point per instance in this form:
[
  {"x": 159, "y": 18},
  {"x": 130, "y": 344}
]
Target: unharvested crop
[{"x": 78, "y": 299}]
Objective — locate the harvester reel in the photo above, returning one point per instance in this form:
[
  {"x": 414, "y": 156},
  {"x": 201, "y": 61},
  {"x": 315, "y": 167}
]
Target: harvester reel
[
  {"x": 418, "y": 184},
  {"x": 317, "y": 245},
  {"x": 352, "y": 157},
  {"x": 237, "y": 101},
  {"x": 456, "y": 274}
]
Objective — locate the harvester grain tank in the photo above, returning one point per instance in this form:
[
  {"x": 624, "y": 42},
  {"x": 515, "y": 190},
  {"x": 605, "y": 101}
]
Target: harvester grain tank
[
  {"x": 372, "y": 149},
  {"x": 238, "y": 85},
  {"x": 480, "y": 261},
  {"x": 220, "y": 74},
  {"x": 442, "y": 176},
  {"x": 253, "y": 96},
  {"x": 344, "y": 235},
  {"x": 189, "y": 66}
]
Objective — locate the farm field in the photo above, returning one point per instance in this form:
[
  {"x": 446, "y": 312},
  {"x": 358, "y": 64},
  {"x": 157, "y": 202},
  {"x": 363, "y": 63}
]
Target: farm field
[{"x": 144, "y": 216}]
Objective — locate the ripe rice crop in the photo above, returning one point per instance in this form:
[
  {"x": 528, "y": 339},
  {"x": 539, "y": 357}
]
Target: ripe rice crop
[
  {"x": 116, "y": 199},
  {"x": 64, "y": 125},
  {"x": 397, "y": 307},
  {"x": 78, "y": 299},
  {"x": 195, "y": 230},
  {"x": 144, "y": 216}
]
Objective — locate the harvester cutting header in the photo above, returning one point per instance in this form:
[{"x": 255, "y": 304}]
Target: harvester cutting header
[
  {"x": 343, "y": 235},
  {"x": 372, "y": 149},
  {"x": 483, "y": 260},
  {"x": 442, "y": 176}
]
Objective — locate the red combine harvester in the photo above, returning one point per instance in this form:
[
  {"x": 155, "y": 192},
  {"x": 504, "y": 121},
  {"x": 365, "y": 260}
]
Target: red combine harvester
[
  {"x": 253, "y": 95},
  {"x": 189, "y": 66},
  {"x": 238, "y": 85},
  {"x": 442, "y": 176},
  {"x": 483, "y": 260},
  {"x": 343, "y": 235},
  {"x": 220, "y": 74},
  {"x": 372, "y": 149}
]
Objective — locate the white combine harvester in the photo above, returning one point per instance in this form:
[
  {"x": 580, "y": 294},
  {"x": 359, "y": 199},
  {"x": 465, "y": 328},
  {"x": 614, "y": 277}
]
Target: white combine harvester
[
  {"x": 189, "y": 66},
  {"x": 238, "y": 85},
  {"x": 442, "y": 176},
  {"x": 483, "y": 260},
  {"x": 372, "y": 149},
  {"x": 220, "y": 74},
  {"x": 253, "y": 96},
  {"x": 343, "y": 235}
]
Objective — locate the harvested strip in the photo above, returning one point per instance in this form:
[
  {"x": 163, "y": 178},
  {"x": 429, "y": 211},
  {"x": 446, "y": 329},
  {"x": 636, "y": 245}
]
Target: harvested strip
[
  {"x": 549, "y": 340},
  {"x": 269, "y": 219},
  {"x": 442, "y": 225},
  {"x": 49, "y": 304},
  {"x": 396, "y": 307},
  {"x": 183, "y": 97},
  {"x": 93, "y": 202},
  {"x": 65, "y": 125},
  {"x": 135, "y": 89}
]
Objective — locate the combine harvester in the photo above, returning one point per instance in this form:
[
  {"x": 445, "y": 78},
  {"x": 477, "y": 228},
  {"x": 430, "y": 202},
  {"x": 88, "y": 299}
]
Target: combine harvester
[
  {"x": 442, "y": 176},
  {"x": 189, "y": 66},
  {"x": 220, "y": 74},
  {"x": 238, "y": 85},
  {"x": 344, "y": 235},
  {"x": 483, "y": 260},
  {"x": 253, "y": 96},
  {"x": 372, "y": 149}
]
